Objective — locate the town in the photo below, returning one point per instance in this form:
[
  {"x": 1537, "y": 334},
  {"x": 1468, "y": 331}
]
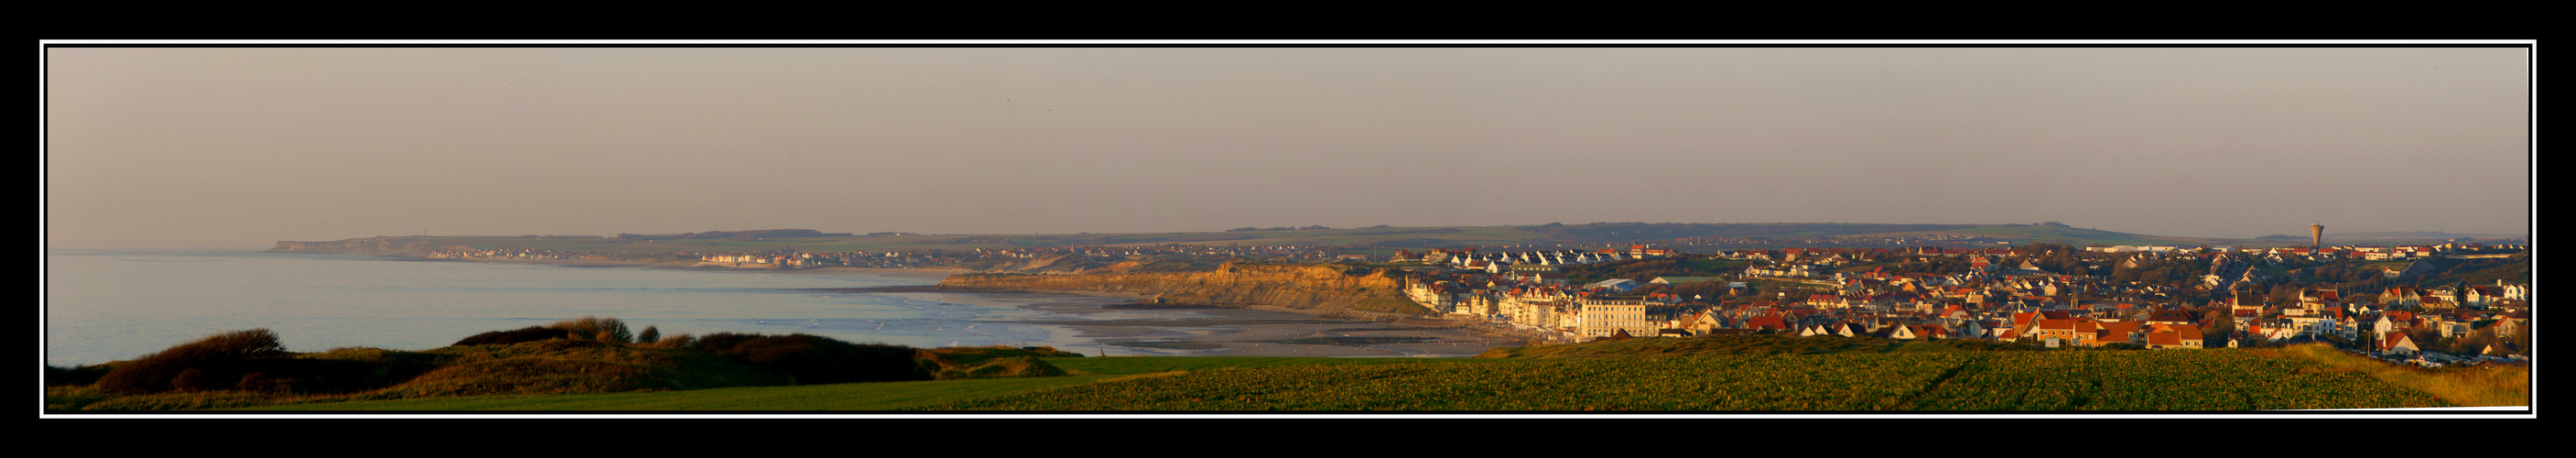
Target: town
[
  {"x": 2372, "y": 300},
  {"x": 2053, "y": 295}
]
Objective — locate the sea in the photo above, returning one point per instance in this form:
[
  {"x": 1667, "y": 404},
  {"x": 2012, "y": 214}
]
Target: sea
[{"x": 104, "y": 305}]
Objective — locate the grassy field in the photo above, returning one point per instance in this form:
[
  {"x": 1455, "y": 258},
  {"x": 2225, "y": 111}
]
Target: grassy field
[
  {"x": 1728, "y": 374},
  {"x": 1766, "y": 284},
  {"x": 842, "y": 397},
  {"x": 2129, "y": 381},
  {"x": 1718, "y": 265},
  {"x": 2509, "y": 386}
]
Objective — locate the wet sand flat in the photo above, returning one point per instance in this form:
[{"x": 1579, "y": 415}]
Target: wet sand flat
[{"x": 1260, "y": 331}]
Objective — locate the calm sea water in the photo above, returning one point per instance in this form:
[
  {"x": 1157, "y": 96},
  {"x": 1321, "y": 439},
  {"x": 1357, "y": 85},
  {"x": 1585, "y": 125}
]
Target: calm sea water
[{"x": 106, "y": 305}]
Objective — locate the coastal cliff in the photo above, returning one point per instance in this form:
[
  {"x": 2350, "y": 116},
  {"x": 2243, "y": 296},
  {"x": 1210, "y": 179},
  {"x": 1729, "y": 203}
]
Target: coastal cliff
[
  {"x": 381, "y": 246},
  {"x": 1311, "y": 286}
]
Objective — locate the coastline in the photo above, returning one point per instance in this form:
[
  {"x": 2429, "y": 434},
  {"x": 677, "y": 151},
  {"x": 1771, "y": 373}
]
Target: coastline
[
  {"x": 689, "y": 265},
  {"x": 1256, "y": 330},
  {"x": 1271, "y": 331}
]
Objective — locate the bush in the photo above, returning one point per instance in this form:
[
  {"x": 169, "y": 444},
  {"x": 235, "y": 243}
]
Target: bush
[
  {"x": 526, "y": 334},
  {"x": 684, "y": 340},
  {"x": 75, "y": 375},
  {"x": 1009, "y": 366},
  {"x": 190, "y": 380},
  {"x": 337, "y": 371},
  {"x": 605, "y": 330},
  {"x": 816, "y": 360},
  {"x": 214, "y": 362}
]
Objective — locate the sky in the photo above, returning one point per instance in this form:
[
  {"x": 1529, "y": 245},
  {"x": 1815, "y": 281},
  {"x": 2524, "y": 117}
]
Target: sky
[{"x": 246, "y": 146}]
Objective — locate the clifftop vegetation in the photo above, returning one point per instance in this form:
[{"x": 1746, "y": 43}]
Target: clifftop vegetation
[{"x": 586, "y": 355}]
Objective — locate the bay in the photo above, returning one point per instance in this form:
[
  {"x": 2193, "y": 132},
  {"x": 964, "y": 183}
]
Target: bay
[{"x": 106, "y": 305}]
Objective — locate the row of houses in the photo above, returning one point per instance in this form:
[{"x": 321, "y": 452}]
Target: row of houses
[{"x": 1995, "y": 305}]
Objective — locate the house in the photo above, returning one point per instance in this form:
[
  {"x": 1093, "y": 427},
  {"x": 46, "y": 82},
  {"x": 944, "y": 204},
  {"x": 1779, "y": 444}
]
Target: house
[
  {"x": 2480, "y": 296},
  {"x": 1918, "y": 331},
  {"x": 1850, "y": 329},
  {"x": 2398, "y": 344},
  {"x": 2074, "y": 332},
  {"x": 2120, "y": 332},
  {"x": 2174, "y": 336},
  {"x": 1603, "y": 316}
]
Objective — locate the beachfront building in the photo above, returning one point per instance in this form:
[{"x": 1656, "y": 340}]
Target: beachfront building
[{"x": 1607, "y": 315}]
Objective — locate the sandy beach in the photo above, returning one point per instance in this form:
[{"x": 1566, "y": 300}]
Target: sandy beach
[
  {"x": 1085, "y": 323},
  {"x": 1256, "y": 331}
]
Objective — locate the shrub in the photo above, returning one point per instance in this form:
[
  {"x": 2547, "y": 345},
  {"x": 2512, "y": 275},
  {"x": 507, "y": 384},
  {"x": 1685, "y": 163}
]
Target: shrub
[
  {"x": 605, "y": 330},
  {"x": 816, "y": 360},
  {"x": 650, "y": 335},
  {"x": 210, "y": 363},
  {"x": 336, "y": 372},
  {"x": 189, "y": 380},
  {"x": 75, "y": 375},
  {"x": 257, "y": 381},
  {"x": 683, "y": 340},
  {"x": 526, "y": 334},
  {"x": 1009, "y": 366}
]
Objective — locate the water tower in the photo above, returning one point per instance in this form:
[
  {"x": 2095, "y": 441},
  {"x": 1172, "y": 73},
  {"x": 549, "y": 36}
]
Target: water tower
[{"x": 2316, "y": 237}]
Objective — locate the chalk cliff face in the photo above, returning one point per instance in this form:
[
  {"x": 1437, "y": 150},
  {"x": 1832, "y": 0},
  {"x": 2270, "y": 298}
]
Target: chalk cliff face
[
  {"x": 388, "y": 246},
  {"x": 1294, "y": 286}
]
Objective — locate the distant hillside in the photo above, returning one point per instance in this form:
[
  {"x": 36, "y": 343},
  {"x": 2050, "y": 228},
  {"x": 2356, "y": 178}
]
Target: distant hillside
[
  {"x": 735, "y": 235},
  {"x": 1569, "y": 235},
  {"x": 381, "y": 246},
  {"x": 1619, "y": 232},
  {"x": 2415, "y": 235},
  {"x": 2082, "y": 237}
]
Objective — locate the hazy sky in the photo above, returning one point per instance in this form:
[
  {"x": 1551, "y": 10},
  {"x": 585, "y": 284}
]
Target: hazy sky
[{"x": 225, "y": 147}]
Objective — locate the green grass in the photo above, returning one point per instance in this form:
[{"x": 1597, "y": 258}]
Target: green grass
[
  {"x": 1159, "y": 364},
  {"x": 2221, "y": 380},
  {"x": 2510, "y": 386},
  {"x": 1768, "y": 285},
  {"x": 1738, "y": 373},
  {"x": 1718, "y": 265},
  {"x": 840, "y": 397}
]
